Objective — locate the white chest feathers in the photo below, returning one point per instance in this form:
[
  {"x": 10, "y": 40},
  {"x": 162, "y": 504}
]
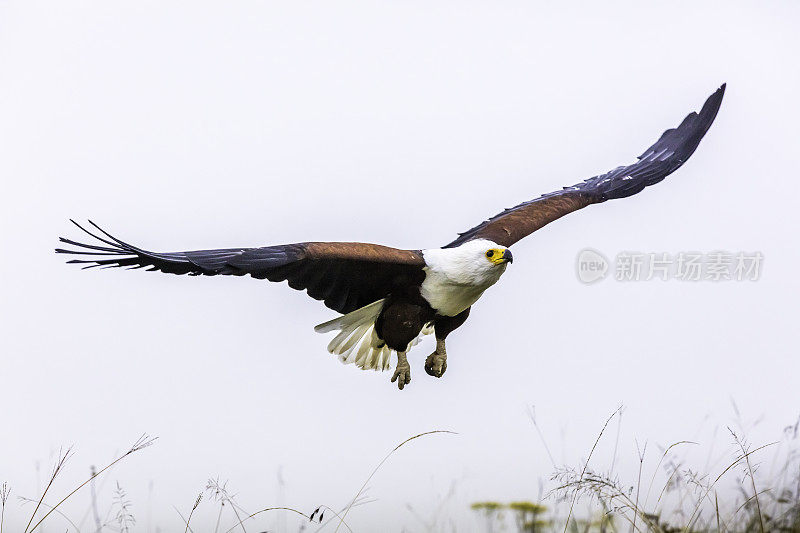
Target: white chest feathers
[{"x": 456, "y": 277}]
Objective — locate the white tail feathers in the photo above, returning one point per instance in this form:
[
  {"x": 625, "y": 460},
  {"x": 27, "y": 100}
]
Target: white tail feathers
[
  {"x": 372, "y": 310},
  {"x": 357, "y": 342}
]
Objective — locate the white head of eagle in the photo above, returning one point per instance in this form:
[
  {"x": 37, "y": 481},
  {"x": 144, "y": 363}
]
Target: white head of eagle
[{"x": 456, "y": 277}]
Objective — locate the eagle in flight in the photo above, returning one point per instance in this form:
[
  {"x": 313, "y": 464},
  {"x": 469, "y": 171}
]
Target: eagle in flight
[{"x": 389, "y": 298}]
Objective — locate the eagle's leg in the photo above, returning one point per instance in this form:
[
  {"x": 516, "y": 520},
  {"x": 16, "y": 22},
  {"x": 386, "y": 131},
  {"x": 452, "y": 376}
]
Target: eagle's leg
[
  {"x": 436, "y": 363},
  {"x": 402, "y": 373}
]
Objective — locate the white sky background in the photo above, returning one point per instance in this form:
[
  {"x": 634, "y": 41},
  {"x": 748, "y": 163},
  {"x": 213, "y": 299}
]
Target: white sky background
[{"x": 187, "y": 125}]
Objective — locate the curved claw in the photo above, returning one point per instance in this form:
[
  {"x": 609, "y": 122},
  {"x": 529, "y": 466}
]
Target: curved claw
[
  {"x": 436, "y": 364},
  {"x": 402, "y": 375}
]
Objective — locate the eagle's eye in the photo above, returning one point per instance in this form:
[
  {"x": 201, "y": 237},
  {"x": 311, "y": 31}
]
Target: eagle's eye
[{"x": 490, "y": 253}]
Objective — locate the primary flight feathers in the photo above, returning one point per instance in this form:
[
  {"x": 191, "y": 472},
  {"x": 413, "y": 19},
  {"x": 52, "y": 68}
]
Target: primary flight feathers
[
  {"x": 656, "y": 163},
  {"x": 345, "y": 275}
]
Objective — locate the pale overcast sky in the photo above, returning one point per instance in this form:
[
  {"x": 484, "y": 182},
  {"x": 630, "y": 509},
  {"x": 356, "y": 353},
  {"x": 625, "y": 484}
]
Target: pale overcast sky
[{"x": 185, "y": 125}]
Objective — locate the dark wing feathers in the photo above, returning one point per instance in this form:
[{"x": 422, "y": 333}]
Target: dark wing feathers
[
  {"x": 346, "y": 276},
  {"x": 671, "y": 151}
]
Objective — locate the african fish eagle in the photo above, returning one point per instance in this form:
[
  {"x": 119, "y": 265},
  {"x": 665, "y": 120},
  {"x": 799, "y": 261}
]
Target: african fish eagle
[{"x": 389, "y": 298}]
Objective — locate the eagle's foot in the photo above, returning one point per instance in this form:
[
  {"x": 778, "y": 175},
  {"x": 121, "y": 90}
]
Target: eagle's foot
[
  {"x": 402, "y": 373},
  {"x": 436, "y": 364}
]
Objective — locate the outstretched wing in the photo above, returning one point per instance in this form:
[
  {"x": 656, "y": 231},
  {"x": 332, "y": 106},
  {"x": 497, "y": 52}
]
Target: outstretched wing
[
  {"x": 656, "y": 163},
  {"x": 345, "y": 275}
]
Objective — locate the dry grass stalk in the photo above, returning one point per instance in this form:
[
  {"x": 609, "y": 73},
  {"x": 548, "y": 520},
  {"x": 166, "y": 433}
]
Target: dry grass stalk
[
  {"x": 219, "y": 491},
  {"x": 743, "y": 447},
  {"x": 586, "y": 465},
  {"x": 364, "y": 485},
  {"x": 195, "y": 506},
  {"x": 61, "y": 460},
  {"x": 309, "y": 517},
  {"x": 4, "y": 492},
  {"x": 124, "y": 517},
  {"x": 66, "y": 518},
  {"x": 142, "y": 442}
]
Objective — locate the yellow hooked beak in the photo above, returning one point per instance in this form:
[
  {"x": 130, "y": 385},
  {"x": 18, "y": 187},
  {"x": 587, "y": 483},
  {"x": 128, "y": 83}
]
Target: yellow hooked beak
[{"x": 499, "y": 256}]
